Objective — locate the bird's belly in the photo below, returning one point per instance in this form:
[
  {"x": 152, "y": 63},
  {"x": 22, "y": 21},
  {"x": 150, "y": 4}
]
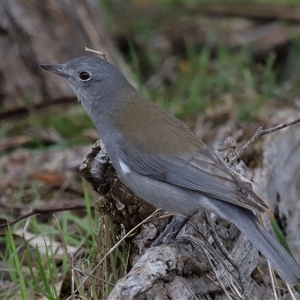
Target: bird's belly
[{"x": 171, "y": 198}]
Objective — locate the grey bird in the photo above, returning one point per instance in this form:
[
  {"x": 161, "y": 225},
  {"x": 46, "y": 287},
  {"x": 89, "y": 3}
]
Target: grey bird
[{"x": 162, "y": 161}]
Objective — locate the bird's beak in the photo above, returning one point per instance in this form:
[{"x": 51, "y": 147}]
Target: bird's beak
[{"x": 58, "y": 69}]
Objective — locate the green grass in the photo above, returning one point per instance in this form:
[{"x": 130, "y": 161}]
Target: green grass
[
  {"x": 15, "y": 265},
  {"x": 37, "y": 269}
]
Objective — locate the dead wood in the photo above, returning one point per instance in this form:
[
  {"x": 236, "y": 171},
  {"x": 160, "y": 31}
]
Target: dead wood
[{"x": 278, "y": 180}]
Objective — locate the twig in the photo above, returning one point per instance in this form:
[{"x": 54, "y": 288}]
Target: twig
[
  {"x": 272, "y": 280},
  {"x": 41, "y": 211},
  {"x": 260, "y": 132},
  {"x": 83, "y": 273},
  {"x": 96, "y": 52},
  {"x": 290, "y": 292}
]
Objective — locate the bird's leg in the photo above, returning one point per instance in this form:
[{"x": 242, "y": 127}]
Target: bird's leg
[{"x": 175, "y": 227}]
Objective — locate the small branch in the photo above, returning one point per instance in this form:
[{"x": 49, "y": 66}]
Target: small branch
[
  {"x": 260, "y": 132},
  {"x": 42, "y": 211},
  {"x": 96, "y": 52}
]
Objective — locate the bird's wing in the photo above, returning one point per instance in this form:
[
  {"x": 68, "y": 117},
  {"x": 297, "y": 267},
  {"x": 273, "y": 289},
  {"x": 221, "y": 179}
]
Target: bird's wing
[{"x": 203, "y": 172}]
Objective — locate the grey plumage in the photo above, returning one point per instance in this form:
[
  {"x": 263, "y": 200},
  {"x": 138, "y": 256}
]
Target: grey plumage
[{"x": 162, "y": 161}]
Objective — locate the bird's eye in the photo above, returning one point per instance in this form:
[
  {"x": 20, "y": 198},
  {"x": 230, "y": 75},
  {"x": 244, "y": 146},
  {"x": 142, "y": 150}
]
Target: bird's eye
[{"x": 84, "y": 76}]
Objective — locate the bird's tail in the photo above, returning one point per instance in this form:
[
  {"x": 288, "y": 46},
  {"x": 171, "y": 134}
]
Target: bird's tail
[{"x": 263, "y": 240}]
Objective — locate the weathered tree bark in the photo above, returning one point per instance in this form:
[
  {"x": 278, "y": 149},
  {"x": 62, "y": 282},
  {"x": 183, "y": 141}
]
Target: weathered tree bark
[
  {"x": 196, "y": 266},
  {"x": 35, "y": 32},
  {"x": 278, "y": 181}
]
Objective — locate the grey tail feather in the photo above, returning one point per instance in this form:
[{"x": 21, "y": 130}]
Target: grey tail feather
[{"x": 266, "y": 243}]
